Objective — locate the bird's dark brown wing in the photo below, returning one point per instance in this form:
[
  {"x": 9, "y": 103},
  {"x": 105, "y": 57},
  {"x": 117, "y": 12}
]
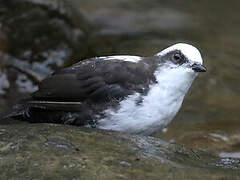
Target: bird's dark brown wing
[
  {"x": 75, "y": 94},
  {"x": 96, "y": 80}
]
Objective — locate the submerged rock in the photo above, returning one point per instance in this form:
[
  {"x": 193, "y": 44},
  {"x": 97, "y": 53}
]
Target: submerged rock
[{"x": 58, "y": 152}]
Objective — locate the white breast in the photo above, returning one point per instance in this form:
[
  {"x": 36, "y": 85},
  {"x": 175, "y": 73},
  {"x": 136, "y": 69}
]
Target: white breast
[{"x": 158, "y": 107}]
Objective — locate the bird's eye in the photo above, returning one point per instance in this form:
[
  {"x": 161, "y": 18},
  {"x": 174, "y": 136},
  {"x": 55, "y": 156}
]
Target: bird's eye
[{"x": 177, "y": 57}]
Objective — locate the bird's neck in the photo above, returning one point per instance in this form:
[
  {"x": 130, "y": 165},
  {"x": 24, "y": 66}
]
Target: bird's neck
[{"x": 174, "y": 81}]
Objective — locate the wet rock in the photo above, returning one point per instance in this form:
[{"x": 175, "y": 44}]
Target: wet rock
[
  {"x": 36, "y": 38},
  {"x": 59, "y": 152},
  {"x": 51, "y": 34},
  {"x": 4, "y": 83}
]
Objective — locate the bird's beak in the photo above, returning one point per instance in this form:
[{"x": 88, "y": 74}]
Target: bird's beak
[{"x": 198, "y": 67}]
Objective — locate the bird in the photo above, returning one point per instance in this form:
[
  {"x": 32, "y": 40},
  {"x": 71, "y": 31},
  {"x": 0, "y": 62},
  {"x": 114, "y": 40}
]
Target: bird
[{"x": 126, "y": 93}]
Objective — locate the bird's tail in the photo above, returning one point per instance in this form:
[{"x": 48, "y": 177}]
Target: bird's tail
[
  {"x": 36, "y": 111},
  {"x": 19, "y": 111}
]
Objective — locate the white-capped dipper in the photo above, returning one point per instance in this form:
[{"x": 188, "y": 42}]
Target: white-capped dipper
[{"x": 132, "y": 94}]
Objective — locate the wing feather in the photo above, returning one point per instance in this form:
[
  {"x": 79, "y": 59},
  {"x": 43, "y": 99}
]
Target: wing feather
[{"x": 95, "y": 80}]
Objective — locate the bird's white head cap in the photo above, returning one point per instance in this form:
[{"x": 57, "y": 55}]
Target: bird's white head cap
[{"x": 189, "y": 51}]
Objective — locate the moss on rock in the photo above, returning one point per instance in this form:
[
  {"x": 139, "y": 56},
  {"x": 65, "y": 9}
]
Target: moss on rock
[{"x": 46, "y": 151}]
